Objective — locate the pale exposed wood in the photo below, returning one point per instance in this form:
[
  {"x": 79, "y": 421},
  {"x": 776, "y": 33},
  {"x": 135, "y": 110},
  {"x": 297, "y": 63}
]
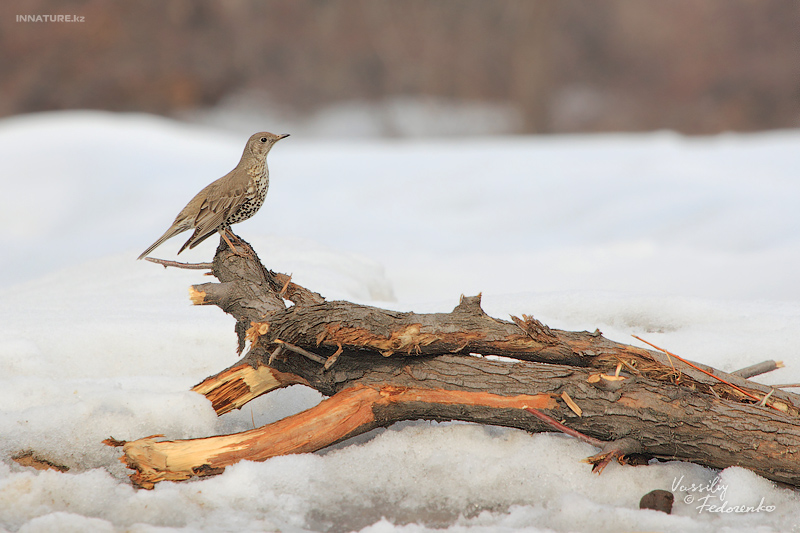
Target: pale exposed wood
[
  {"x": 345, "y": 415},
  {"x": 351, "y": 412},
  {"x": 238, "y": 385}
]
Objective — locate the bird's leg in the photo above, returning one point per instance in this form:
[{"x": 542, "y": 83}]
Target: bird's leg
[
  {"x": 224, "y": 235},
  {"x": 230, "y": 244}
]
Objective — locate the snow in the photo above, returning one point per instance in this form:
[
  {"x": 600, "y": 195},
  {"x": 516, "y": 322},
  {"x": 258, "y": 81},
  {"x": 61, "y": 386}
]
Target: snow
[{"x": 691, "y": 243}]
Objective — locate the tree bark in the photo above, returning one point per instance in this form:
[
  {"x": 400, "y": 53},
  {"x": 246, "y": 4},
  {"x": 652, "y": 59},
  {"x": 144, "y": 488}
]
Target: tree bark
[{"x": 379, "y": 367}]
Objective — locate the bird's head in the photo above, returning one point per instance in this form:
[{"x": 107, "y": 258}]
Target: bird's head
[{"x": 260, "y": 143}]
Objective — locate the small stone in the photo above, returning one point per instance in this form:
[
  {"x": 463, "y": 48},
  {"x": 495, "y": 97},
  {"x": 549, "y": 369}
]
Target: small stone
[{"x": 659, "y": 500}]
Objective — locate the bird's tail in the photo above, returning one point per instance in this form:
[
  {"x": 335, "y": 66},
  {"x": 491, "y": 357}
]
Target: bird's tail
[
  {"x": 196, "y": 239},
  {"x": 171, "y": 232}
]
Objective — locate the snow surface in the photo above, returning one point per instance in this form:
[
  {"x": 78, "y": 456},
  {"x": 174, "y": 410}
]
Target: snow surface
[{"x": 692, "y": 243}]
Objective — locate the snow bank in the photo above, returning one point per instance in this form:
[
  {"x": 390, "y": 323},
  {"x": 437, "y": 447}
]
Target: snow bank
[{"x": 690, "y": 243}]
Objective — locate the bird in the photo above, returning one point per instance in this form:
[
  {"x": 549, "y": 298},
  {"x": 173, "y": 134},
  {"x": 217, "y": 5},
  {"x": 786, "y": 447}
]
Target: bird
[{"x": 233, "y": 198}]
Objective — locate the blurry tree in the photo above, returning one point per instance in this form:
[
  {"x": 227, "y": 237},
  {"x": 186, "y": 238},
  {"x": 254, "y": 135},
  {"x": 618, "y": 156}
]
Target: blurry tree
[{"x": 567, "y": 65}]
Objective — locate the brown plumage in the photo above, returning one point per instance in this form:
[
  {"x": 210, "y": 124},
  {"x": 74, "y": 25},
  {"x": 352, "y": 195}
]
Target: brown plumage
[{"x": 235, "y": 197}]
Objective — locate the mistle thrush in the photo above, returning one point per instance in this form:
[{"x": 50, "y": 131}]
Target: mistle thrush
[{"x": 233, "y": 198}]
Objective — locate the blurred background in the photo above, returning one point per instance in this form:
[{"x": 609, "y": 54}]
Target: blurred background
[
  {"x": 672, "y": 232},
  {"x": 413, "y": 67}
]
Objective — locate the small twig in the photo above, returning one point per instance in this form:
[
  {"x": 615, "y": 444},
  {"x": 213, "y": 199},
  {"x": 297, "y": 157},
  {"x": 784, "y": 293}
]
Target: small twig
[
  {"x": 460, "y": 348},
  {"x": 753, "y": 396},
  {"x": 333, "y": 358},
  {"x": 555, "y": 424},
  {"x": 303, "y": 352},
  {"x": 616, "y": 449},
  {"x": 786, "y": 386},
  {"x": 275, "y": 353},
  {"x": 764, "y": 401},
  {"x": 669, "y": 358},
  {"x": 190, "y": 266},
  {"x": 758, "y": 369}
]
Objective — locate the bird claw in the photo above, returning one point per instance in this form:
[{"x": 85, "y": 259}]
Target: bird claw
[{"x": 244, "y": 253}]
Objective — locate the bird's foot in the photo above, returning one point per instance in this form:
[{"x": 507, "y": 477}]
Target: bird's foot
[{"x": 245, "y": 251}]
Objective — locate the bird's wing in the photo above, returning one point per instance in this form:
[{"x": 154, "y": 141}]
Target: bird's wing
[
  {"x": 220, "y": 201},
  {"x": 213, "y": 212}
]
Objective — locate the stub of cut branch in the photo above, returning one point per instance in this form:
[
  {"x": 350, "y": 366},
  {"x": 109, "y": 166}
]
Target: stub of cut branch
[{"x": 758, "y": 369}]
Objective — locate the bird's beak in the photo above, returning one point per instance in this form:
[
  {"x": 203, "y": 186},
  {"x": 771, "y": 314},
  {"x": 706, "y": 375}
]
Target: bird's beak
[{"x": 282, "y": 136}]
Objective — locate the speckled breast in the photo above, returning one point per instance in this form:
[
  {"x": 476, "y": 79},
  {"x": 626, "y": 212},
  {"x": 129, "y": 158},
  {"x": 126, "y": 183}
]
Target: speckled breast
[{"x": 253, "y": 202}]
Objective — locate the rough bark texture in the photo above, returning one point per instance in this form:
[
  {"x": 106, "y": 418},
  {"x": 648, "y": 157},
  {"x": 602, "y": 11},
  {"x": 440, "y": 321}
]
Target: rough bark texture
[{"x": 381, "y": 367}]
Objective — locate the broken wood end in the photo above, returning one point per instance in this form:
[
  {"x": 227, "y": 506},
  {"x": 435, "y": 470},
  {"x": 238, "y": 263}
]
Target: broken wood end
[{"x": 197, "y": 297}]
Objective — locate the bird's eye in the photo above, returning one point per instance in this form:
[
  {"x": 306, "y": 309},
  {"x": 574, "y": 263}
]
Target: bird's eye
[{"x": 263, "y": 139}]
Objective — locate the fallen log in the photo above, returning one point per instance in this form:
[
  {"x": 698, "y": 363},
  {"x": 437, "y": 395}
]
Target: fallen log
[{"x": 379, "y": 367}]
